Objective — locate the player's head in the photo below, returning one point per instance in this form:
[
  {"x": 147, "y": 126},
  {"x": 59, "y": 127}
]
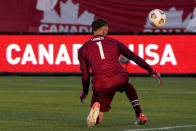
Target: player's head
[{"x": 100, "y": 27}]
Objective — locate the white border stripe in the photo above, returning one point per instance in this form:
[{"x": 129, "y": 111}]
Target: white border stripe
[
  {"x": 163, "y": 128},
  {"x": 134, "y": 100},
  {"x": 136, "y": 105}
]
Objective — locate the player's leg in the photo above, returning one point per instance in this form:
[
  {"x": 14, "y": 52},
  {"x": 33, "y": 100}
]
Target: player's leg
[
  {"x": 104, "y": 98},
  {"x": 100, "y": 118},
  {"x": 93, "y": 117},
  {"x": 133, "y": 98}
]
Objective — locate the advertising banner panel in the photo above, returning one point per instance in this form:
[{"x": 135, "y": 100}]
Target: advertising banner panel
[
  {"x": 59, "y": 53},
  {"x": 77, "y": 15}
]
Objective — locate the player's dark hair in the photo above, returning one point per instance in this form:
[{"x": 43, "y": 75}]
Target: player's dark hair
[{"x": 98, "y": 23}]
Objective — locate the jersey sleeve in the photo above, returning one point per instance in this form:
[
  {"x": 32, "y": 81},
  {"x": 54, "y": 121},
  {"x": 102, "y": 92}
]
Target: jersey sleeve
[
  {"x": 132, "y": 56},
  {"x": 84, "y": 67}
]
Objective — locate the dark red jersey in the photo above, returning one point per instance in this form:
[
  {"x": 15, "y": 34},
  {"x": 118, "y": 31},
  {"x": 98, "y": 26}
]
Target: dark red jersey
[{"x": 102, "y": 55}]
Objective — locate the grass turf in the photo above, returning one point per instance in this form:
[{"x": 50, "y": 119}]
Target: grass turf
[{"x": 52, "y": 104}]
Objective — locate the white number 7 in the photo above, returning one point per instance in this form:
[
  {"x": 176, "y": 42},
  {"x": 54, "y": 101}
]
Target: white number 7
[{"x": 101, "y": 49}]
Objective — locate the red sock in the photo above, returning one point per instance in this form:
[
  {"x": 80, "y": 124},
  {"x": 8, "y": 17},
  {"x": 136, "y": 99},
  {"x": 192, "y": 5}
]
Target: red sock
[{"x": 133, "y": 98}]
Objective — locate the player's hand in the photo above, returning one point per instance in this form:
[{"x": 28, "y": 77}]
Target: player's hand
[
  {"x": 82, "y": 96},
  {"x": 157, "y": 76}
]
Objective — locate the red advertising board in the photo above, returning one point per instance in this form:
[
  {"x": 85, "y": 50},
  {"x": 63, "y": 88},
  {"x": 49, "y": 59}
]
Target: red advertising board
[{"x": 58, "y": 53}]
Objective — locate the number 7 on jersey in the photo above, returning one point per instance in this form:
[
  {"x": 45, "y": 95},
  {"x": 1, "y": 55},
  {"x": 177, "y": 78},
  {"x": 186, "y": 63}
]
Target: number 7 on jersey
[{"x": 101, "y": 49}]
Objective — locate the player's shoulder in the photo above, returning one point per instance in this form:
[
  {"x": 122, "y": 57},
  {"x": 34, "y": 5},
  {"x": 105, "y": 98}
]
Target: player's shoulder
[
  {"x": 113, "y": 40},
  {"x": 110, "y": 38},
  {"x": 80, "y": 50},
  {"x": 83, "y": 47},
  {"x": 85, "y": 44}
]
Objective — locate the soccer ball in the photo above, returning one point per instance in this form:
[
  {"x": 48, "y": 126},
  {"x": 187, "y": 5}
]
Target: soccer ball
[{"x": 157, "y": 18}]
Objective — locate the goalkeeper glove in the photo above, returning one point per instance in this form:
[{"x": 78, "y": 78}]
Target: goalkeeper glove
[
  {"x": 82, "y": 96},
  {"x": 157, "y": 76}
]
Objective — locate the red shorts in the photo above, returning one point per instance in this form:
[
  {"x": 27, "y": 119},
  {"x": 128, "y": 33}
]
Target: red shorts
[{"x": 104, "y": 89}]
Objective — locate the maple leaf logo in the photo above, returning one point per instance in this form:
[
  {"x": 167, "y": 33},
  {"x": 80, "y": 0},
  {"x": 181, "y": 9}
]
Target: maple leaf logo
[
  {"x": 66, "y": 12},
  {"x": 57, "y": 7}
]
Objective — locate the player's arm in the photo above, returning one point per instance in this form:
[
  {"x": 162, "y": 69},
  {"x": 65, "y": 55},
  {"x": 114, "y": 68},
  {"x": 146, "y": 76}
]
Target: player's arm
[
  {"x": 138, "y": 60},
  {"x": 132, "y": 56},
  {"x": 84, "y": 67}
]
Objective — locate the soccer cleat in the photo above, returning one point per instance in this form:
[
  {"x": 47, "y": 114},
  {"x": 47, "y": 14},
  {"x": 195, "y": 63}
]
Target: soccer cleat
[
  {"x": 93, "y": 115},
  {"x": 141, "y": 119}
]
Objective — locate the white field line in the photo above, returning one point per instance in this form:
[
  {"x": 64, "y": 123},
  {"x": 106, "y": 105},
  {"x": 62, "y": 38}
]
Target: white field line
[
  {"x": 169, "y": 93},
  {"x": 163, "y": 128}
]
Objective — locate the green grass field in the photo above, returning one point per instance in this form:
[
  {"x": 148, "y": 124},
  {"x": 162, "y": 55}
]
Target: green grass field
[{"x": 52, "y": 104}]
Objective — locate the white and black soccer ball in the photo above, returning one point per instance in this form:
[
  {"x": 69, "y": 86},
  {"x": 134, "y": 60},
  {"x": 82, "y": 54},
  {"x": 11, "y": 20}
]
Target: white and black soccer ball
[{"x": 157, "y": 18}]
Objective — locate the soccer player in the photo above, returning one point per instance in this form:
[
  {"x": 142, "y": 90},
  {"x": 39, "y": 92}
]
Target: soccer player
[{"x": 101, "y": 54}]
